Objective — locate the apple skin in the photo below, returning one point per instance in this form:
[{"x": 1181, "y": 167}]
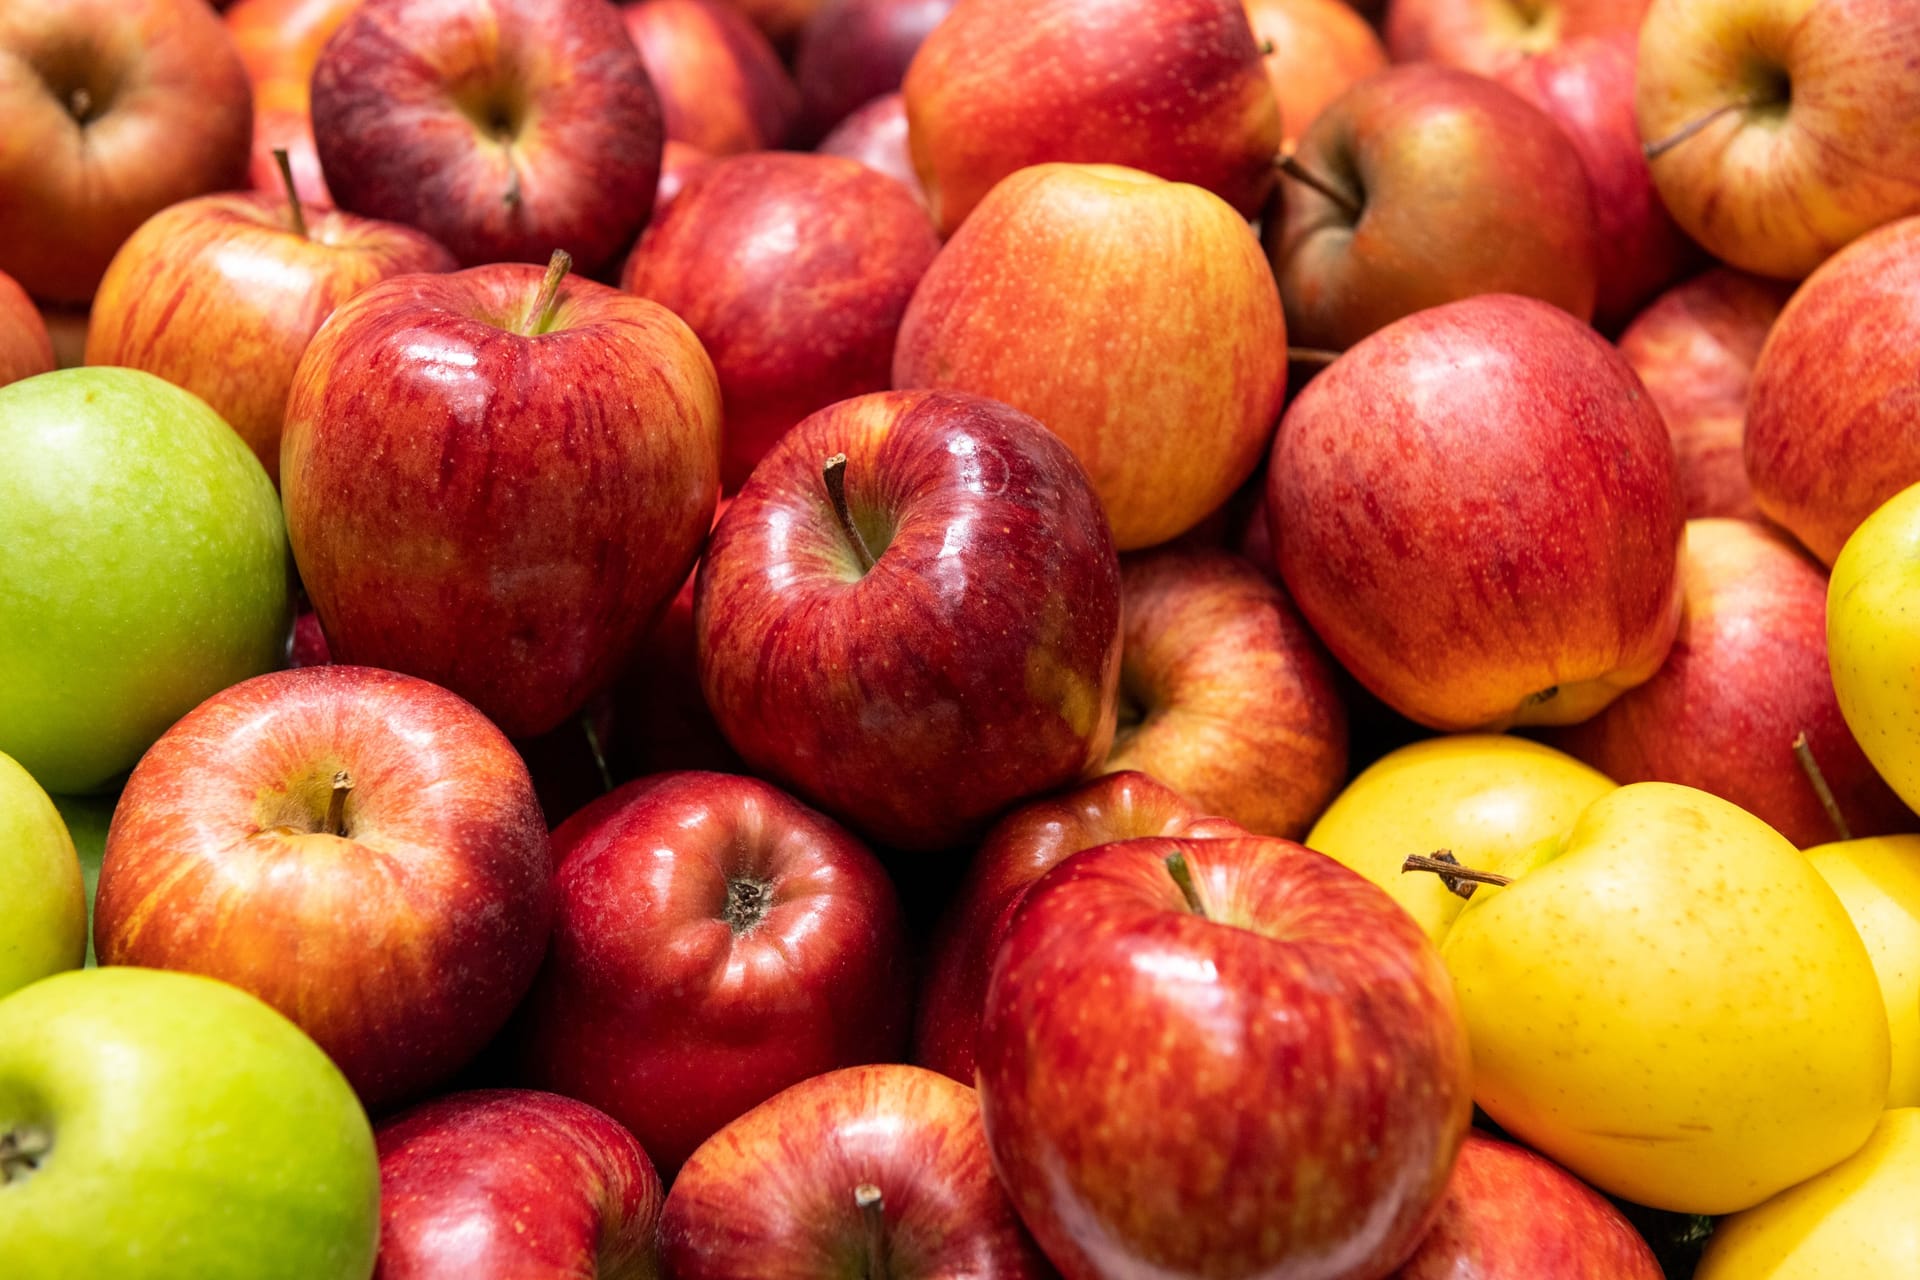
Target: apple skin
[
  {"x": 1172, "y": 87},
  {"x": 1277, "y": 1090},
  {"x": 853, "y": 51},
  {"x": 1233, "y": 700},
  {"x": 721, "y": 85},
  {"x": 1877, "y": 880},
  {"x": 43, "y": 918},
  {"x": 523, "y": 598},
  {"x": 1466, "y": 188},
  {"x": 1488, "y": 36},
  {"x": 1476, "y": 510},
  {"x": 279, "y": 41},
  {"x": 164, "y": 113},
  {"x": 499, "y": 1182},
  {"x": 876, "y": 136},
  {"x": 1822, "y": 153},
  {"x": 221, "y": 295},
  {"x": 976, "y": 663},
  {"x": 504, "y": 129},
  {"x": 402, "y": 946},
  {"x": 1318, "y": 49},
  {"x": 1746, "y": 675},
  {"x": 1074, "y": 294},
  {"x": 25, "y": 347},
  {"x": 794, "y": 271},
  {"x": 771, "y": 1196},
  {"x": 1694, "y": 350},
  {"x": 1872, "y": 636},
  {"x": 1831, "y": 409},
  {"x": 1022, "y": 847},
  {"x": 1513, "y": 1215}
]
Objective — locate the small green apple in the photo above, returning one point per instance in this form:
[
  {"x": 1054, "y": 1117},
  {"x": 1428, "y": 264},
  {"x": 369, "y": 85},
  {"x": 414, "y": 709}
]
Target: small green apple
[
  {"x": 43, "y": 902},
  {"x": 158, "y": 1125},
  {"x": 143, "y": 567}
]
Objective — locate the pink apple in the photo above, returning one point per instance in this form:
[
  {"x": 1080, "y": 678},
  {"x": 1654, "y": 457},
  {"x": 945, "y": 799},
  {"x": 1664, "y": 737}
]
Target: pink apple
[
  {"x": 722, "y": 88},
  {"x": 280, "y": 41}
]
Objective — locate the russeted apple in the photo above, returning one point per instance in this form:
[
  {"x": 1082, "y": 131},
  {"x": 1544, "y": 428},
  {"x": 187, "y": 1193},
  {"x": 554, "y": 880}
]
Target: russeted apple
[
  {"x": 722, "y": 88},
  {"x": 1489, "y": 36},
  {"x": 853, "y": 51}
]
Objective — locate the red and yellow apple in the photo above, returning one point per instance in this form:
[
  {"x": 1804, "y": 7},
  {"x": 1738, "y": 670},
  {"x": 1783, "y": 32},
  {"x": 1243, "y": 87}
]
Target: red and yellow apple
[
  {"x": 722, "y": 88},
  {"x": 1314, "y": 50}
]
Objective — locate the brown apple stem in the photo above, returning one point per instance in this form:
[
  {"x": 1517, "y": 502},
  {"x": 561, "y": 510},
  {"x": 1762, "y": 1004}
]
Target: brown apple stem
[
  {"x": 1654, "y": 150},
  {"x": 1315, "y": 356},
  {"x": 1460, "y": 881},
  {"x": 599, "y": 755},
  {"x": 1183, "y": 876},
  {"x": 541, "y": 314},
  {"x": 1288, "y": 164},
  {"x": 1266, "y": 48},
  {"x": 512, "y": 198},
  {"x": 833, "y": 473},
  {"x": 1803, "y": 752},
  {"x": 336, "y": 823},
  {"x": 873, "y": 1214},
  {"x": 299, "y": 215},
  {"x": 22, "y": 1150}
]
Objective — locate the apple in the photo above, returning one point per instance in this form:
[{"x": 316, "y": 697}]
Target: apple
[
  {"x": 678, "y": 163},
  {"x": 43, "y": 917},
  {"x": 221, "y": 295},
  {"x": 1074, "y": 294},
  {"x": 876, "y": 136},
  {"x": 853, "y": 51},
  {"x": 146, "y": 568},
  {"x": 721, "y": 85},
  {"x": 1878, "y": 881},
  {"x": 1313, "y": 50},
  {"x": 1694, "y": 350},
  {"x": 1872, "y": 633},
  {"x": 875, "y": 1171},
  {"x": 1510, "y": 1214},
  {"x": 499, "y": 1182},
  {"x": 1830, "y": 412},
  {"x": 279, "y": 41},
  {"x": 1221, "y": 1057},
  {"x": 1476, "y": 510},
  {"x": 522, "y": 597},
  {"x": 1753, "y": 116},
  {"x": 150, "y": 1121},
  {"x": 115, "y": 109},
  {"x": 1420, "y": 186},
  {"x": 780, "y": 20},
  {"x": 794, "y": 271},
  {"x": 922, "y": 633},
  {"x": 1172, "y": 87},
  {"x": 1489, "y": 36},
  {"x": 25, "y": 347},
  {"x": 504, "y": 129}
]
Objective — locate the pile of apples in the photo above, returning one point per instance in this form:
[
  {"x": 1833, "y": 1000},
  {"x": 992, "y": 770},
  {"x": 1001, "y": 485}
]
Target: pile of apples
[{"x": 918, "y": 639}]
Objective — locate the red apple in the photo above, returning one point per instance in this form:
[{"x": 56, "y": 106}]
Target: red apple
[
  {"x": 1489, "y": 35},
  {"x": 1259, "y": 1070},
  {"x": 25, "y": 347},
  {"x": 721, "y": 85},
  {"x": 794, "y": 270},
  {"x": 714, "y": 942},
  {"x": 358, "y": 848},
  {"x": 1695, "y": 349},
  {"x": 876, "y": 136},
  {"x": 510, "y": 1182},
  {"x": 221, "y": 295},
  {"x": 1512, "y": 1215},
  {"x": 678, "y": 163},
  {"x": 497, "y": 482},
  {"x": 1476, "y": 509},
  {"x": 877, "y": 1171},
  {"x": 1831, "y": 412},
  {"x": 923, "y": 634},
  {"x": 1075, "y": 293},
  {"x": 1424, "y": 185},
  {"x": 853, "y": 51},
  {"x": 1022, "y": 847},
  {"x": 1173, "y": 87},
  {"x": 280, "y": 42},
  {"x": 114, "y": 110},
  {"x": 1314, "y": 51},
  {"x": 505, "y": 129}
]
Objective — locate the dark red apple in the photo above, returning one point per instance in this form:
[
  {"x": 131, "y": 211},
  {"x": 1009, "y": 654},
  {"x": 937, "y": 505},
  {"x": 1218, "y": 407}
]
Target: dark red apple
[
  {"x": 853, "y": 51},
  {"x": 25, "y": 347},
  {"x": 876, "y": 136},
  {"x": 721, "y": 85}
]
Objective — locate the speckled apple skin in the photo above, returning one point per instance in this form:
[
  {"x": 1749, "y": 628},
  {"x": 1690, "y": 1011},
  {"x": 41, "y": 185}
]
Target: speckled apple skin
[
  {"x": 975, "y": 665},
  {"x": 280, "y": 41},
  {"x": 1488, "y": 36},
  {"x": 722, "y": 87}
]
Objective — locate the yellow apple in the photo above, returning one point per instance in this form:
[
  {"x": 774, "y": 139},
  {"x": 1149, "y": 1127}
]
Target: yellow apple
[
  {"x": 1873, "y": 639},
  {"x": 1878, "y": 881},
  {"x": 1676, "y": 1008},
  {"x": 1495, "y": 801},
  {"x": 1856, "y": 1221},
  {"x": 43, "y": 905}
]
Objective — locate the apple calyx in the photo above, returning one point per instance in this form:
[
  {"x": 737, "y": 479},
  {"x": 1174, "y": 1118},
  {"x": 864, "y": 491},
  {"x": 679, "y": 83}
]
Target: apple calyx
[
  {"x": 1189, "y": 889},
  {"x": 540, "y": 315},
  {"x": 297, "y": 215},
  {"x": 335, "y": 823},
  {"x": 748, "y": 902},
  {"x": 1803, "y": 752},
  {"x": 873, "y": 1215},
  {"x": 22, "y": 1151},
  {"x": 833, "y": 474},
  {"x": 1287, "y": 163},
  {"x": 1654, "y": 150},
  {"x": 1460, "y": 881}
]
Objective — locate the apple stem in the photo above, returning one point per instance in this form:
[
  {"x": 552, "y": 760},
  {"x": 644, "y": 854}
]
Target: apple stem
[
  {"x": 512, "y": 198},
  {"x": 285, "y": 162},
  {"x": 873, "y": 1214},
  {"x": 1183, "y": 876},
  {"x": 833, "y": 473},
  {"x": 599, "y": 755},
  {"x": 1316, "y": 356},
  {"x": 1654, "y": 150},
  {"x": 22, "y": 1150},
  {"x": 1290, "y": 165},
  {"x": 541, "y": 314},
  {"x": 1460, "y": 881},
  {"x": 336, "y": 824},
  {"x": 1266, "y": 48},
  {"x": 1803, "y": 752}
]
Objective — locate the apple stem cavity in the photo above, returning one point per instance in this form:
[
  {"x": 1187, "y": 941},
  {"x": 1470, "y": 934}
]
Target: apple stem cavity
[
  {"x": 299, "y": 215},
  {"x": 1654, "y": 150},
  {"x": 22, "y": 1151},
  {"x": 336, "y": 821},
  {"x": 873, "y": 1214},
  {"x": 1460, "y": 881},
  {"x": 1803, "y": 752},
  {"x": 1290, "y": 165},
  {"x": 1318, "y": 357},
  {"x": 540, "y": 317},
  {"x": 80, "y": 105},
  {"x": 1189, "y": 889},
  {"x": 833, "y": 473},
  {"x": 748, "y": 902}
]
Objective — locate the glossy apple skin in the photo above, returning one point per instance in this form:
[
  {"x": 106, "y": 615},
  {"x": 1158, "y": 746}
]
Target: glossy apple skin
[
  {"x": 1466, "y": 189},
  {"x": 1694, "y": 350},
  {"x": 1831, "y": 409},
  {"x": 1513, "y": 1215},
  {"x": 771, "y": 1196},
  {"x": 522, "y": 597},
  {"x": 876, "y": 136},
  {"x": 722, "y": 87},
  {"x": 1319, "y": 48},
  {"x": 25, "y": 347},
  {"x": 280, "y": 42},
  {"x": 169, "y": 116},
  {"x": 794, "y": 271},
  {"x": 499, "y": 1182},
  {"x": 400, "y": 948},
  {"x": 853, "y": 51},
  {"x": 1487, "y": 36},
  {"x": 1074, "y": 294},
  {"x": 1476, "y": 510},
  {"x": 1746, "y": 675},
  {"x": 221, "y": 295},
  {"x": 1826, "y": 154},
  {"x": 1172, "y": 87},
  {"x": 1022, "y": 847},
  {"x": 976, "y": 663},
  {"x": 672, "y": 1014},
  {"x": 1279, "y": 1091},
  {"x": 504, "y": 129},
  {"x": 1586, "y": 86}
]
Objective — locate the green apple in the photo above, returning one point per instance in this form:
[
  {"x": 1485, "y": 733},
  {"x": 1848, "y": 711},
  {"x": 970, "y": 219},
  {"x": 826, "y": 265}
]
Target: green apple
[
  {"x": 143, "y": 567},
  {"x": 1873, "y": 639},
  {"x": 43, "y": 903},
  {"x": 1878, "y": 880},
  {"x": 158, "y": 1125}
]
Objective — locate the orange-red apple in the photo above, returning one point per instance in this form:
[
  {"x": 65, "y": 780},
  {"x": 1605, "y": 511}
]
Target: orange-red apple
[
  {"x": 280, "y": 41},
  {"x": 1313, "y": 51}
]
